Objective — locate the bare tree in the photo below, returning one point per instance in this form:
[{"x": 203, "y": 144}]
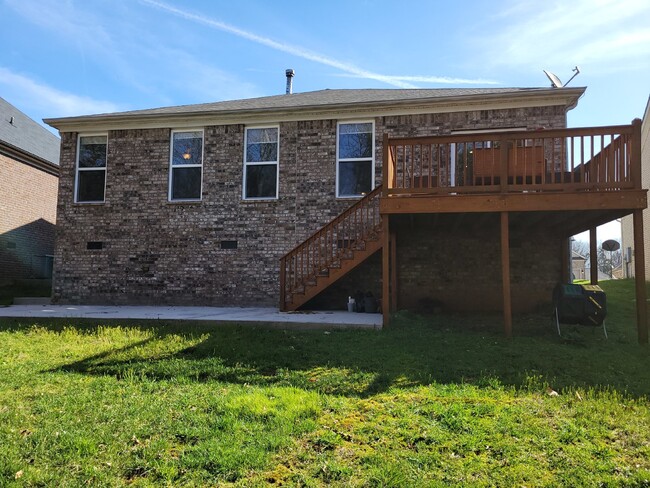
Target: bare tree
[
  {"x": 608, "y": 261},
  {"x": 581, "y": 247}
]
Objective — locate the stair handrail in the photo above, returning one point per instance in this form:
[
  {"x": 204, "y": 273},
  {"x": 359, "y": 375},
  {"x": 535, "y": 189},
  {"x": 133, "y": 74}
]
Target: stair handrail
[
  {"x": 365, "y": 201},
  {"x": 339, "y": 217}
]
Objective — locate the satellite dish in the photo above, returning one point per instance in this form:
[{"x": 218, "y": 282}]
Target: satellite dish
[
  {"x": 555, "y": 81},
  {"x": 610, "y": 245}
]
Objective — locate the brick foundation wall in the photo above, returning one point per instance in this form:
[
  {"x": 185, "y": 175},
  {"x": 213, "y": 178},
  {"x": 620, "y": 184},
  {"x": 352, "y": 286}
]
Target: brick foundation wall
[
  {"x": 27, "y": 219},
  {"x": 155, "y": 251},
  {"x": 442, "y": 265},
  {"x": 460, "y": 268}
]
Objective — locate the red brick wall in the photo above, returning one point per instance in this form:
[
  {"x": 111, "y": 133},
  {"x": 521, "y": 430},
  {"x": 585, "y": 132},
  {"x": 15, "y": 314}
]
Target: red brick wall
[{"x": 27, "y": 219}]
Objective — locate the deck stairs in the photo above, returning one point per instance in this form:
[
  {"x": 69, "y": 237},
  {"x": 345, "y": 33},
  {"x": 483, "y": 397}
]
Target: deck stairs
[{"x": 331, "y": 252}]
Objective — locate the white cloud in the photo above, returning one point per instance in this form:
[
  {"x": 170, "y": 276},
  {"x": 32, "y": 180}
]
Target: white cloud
[
  {"x": 88, "y": 36},
  {"x": 604, "y": 34},
  {"x": 127, "y": 52},
  {"x": 350, "y": 69},
  {"x": 557, "y": 34},
  {"x": 205, "y": 81},
  {"x": 35, "y": 96}
]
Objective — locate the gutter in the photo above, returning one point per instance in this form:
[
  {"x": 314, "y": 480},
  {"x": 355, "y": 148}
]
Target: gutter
[{"x": 29, "y": 159}]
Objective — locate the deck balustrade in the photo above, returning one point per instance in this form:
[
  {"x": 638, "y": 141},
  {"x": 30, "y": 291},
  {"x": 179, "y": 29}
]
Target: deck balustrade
[{"x": 582, "y": 159}]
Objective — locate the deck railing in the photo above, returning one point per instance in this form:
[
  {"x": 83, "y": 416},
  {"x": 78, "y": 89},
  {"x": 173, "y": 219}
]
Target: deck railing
[
  {"x": 327, "y": 246},
  {"x": 582, "y": 159}
]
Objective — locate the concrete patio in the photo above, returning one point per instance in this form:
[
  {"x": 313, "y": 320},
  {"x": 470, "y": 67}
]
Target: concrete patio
[{"x": 227, "y": 315}]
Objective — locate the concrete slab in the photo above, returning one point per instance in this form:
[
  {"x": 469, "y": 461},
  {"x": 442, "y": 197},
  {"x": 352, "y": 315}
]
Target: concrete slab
[{"x": 254, "y": 316}]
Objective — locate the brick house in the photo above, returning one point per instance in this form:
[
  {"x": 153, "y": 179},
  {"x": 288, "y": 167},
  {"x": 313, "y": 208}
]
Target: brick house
[
  {"x": 29, "y": 173},
  {"x": 288, "y": 199}
]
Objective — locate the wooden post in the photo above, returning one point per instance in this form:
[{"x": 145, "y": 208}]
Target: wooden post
[
  {"x": 505, "y": 273},
  {"x": 385, "y": 271},
  {"x": 635, "y": 154},
  {"x": 283, "y": 299},
  {"x": 393, "y": 271},
  {"x": 639, "y": 278},
  {"x": 505, "y": 148},
  {"x": 593, "y": 256},
  {"x": 387, "y": 166}
]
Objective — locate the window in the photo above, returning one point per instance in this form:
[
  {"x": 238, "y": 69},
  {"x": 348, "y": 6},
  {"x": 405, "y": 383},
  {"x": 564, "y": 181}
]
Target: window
[
  {"x": 355, "y": 159},
  {"x": 91, "y": 169},
  {"x": 186, "y": 168},
  {"x": 261, "y": 163}
]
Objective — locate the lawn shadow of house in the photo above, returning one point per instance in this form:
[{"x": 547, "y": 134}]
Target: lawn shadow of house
[
  {"x": 26, "y": 252},
  {"x": 415, "y": 352}
]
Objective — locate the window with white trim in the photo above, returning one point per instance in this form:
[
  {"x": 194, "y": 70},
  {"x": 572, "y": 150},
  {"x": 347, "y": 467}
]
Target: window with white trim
[
  {"x": 261, "y": 163},
  {"x": 186, "y": 165},
  {"x": 355, "y": 163},
  {"x": 90, "y": 183}
]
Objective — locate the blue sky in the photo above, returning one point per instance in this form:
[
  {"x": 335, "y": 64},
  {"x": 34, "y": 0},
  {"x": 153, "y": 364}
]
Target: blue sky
[{"x": 66, "y": 57}]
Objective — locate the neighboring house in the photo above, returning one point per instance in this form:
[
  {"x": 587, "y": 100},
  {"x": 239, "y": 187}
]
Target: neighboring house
[
  {"x": 578, "y": 266},
  {"x": 627, "y": 224},
  {"x": 288, "y": 199},
  {"x": 29, "y": 174}
]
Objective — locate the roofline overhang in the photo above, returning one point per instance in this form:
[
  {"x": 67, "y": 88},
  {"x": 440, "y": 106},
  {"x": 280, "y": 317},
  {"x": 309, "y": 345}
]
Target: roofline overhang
[
  {"x": 567, "y": 97},
  {"x": 29, "y": 159}
]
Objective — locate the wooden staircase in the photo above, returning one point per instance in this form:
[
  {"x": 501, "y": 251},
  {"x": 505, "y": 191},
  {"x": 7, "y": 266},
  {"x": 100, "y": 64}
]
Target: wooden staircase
[{"x": 331, "y": 252}]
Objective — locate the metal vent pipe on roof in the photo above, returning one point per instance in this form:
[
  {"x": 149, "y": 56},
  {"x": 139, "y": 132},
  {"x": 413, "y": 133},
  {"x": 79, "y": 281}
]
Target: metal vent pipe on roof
[{"x": 290, "y": 74}]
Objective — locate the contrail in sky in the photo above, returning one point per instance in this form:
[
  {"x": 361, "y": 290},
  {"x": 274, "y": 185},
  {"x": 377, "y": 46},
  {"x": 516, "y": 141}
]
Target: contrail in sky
[{"x": 350, "y": 69}]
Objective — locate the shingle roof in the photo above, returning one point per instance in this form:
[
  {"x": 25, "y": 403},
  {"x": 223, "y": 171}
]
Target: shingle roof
[
  {"x": 322, "y": 98},
  {"x": 21, "y": 132},
  {"x": 325, "y": 98}
]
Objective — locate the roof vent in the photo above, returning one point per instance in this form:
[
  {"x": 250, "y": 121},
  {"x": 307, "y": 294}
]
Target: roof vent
[
  {"x": 290, "y": 74},
  {"x": 11, "y": 121}
]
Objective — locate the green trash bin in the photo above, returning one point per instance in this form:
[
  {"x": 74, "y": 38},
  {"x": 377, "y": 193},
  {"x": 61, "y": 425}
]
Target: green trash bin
[{"x": 579, "y": 304}]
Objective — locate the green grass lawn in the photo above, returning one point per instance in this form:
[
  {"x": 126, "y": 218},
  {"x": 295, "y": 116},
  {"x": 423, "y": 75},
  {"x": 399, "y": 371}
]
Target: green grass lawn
[{"x": 433, "y": 401}]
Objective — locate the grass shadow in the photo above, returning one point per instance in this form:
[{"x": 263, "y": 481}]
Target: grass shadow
[{"x": 414, "y": 351}]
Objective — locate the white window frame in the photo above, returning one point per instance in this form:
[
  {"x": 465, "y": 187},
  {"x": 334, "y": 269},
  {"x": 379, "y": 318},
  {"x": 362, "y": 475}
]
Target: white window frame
[
  {"x": 261, "y": 163},
  {"x": 79, "y": 169},
  {"x": 172, "y": 166},
  {"x": 339, "y": 160}
]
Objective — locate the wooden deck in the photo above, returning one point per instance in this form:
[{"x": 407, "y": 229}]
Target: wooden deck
[{"x": 570, "y": 179}]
